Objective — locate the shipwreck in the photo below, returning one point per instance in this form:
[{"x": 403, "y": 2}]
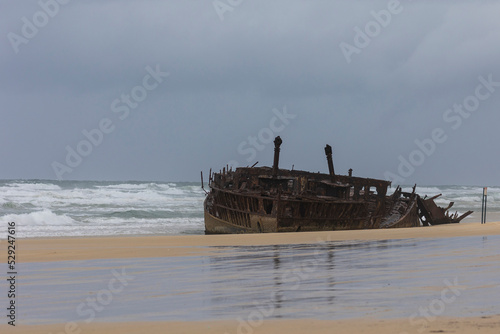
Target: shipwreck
[{"x": 270, "y": 199}]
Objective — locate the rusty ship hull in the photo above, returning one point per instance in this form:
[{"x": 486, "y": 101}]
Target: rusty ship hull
[
  {"x": 268, "y": 200},
  {"x": 251, "y": 200}
]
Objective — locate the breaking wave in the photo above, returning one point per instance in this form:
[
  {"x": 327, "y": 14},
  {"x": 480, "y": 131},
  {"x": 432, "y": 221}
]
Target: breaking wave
[
  {"x": 70, "y": 208},
  {"x": 81, "y": 208}
]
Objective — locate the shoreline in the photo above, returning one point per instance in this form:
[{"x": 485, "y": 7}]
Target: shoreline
[
  {"x": 86, "y": 248},
  {"x": 470, "y": 325}
]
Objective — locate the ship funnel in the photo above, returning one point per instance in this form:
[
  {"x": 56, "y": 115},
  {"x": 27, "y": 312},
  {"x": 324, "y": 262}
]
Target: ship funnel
[
  {"x": 328, "y": 152},
  {"x": 277, "y": 144}
]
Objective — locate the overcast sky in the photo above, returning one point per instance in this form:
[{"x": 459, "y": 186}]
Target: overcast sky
[{"x": 160, "y": 90}]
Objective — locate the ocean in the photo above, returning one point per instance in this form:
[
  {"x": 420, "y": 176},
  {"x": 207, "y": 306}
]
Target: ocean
[
  {"x": 42, "y": 208},
  {"x": 85, "y": 208}
]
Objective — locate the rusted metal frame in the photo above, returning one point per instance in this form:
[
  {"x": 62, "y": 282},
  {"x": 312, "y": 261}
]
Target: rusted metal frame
[
  {"x": 364, "y": 181},
  {"x": 332, "y": 210},
  {"x": 379, "y": 211},
  {"x": 312, "y": 207},
  {"x": 353, "y": 209},
  {"x": 316, "y": 206},
  {"x": 229, "y": 221},
  {"x": 311, "y": 199},
  {"x": 377, "y": 216},
  {"x": 323, "y": 200},
  {"x": 237, "y": 217},
  {"x": 281, "y": 216},
  {"x": 357, "y": 189},
  {"x": 255, "y": 172},
  {"x": 277, "y": 144},
  {"x": 325, "y": 219},
  {"x": 381, "y": 191},
  {"x": 238, "y": 210},
  {"x": 411, "y": 214},
  {"x": 465, "y": 215},
  {"x": 424, "y": 212},
  {"x": 346, "y": 209},
  {"x": 232, "y": 192},
  {"x": 394, "y": 198},
  {"x": 253, "y": 204},
  {"x": 321, "y": 209},
  {"x": 329, "y": 159}
]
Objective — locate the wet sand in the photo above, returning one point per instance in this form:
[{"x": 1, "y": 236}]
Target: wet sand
[
  {"x": 331, "y": 280},
  {"x": 61, "y": 249},
  {"x": 479, "y": 325},
  {"x": 336, "y": 284}
]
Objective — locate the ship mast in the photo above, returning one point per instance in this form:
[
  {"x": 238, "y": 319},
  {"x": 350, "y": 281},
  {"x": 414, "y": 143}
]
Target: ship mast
[{"x": 277, "y": 144}]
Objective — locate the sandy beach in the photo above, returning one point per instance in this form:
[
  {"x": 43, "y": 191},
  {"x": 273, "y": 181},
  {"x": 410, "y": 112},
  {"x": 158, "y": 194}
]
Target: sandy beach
[
  {"x": 61, "y": 249},
  {"x": 53, "y": 250},
  {"x": 486, "y": 325}
]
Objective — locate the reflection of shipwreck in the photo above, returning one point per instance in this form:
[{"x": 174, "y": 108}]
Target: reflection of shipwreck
[{"x": 264, "y": 199}]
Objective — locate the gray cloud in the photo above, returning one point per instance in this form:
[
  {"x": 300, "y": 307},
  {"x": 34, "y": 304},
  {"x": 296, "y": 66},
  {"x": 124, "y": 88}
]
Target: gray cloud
[{"x": 227, "y": 76}]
